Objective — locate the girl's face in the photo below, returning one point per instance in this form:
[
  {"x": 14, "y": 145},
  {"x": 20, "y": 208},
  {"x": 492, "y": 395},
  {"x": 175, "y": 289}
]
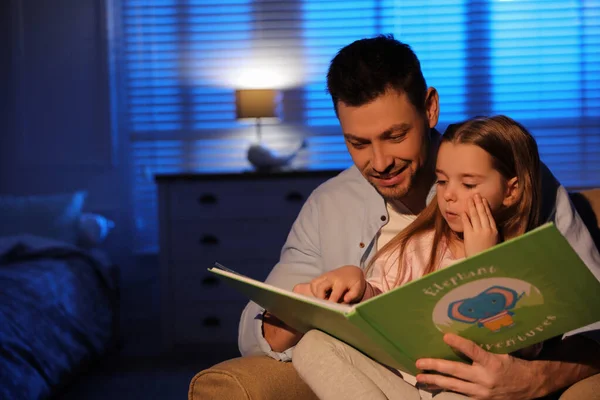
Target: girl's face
[{"x": 462, "y": 171}]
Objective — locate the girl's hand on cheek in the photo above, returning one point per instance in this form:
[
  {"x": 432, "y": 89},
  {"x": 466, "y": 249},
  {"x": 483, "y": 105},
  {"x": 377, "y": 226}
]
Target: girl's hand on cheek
[{"x": 479, "y": 227}]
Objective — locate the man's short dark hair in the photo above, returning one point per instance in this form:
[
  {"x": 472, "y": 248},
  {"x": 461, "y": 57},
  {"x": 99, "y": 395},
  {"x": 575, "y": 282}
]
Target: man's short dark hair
[{"x": 367, "y": 68}]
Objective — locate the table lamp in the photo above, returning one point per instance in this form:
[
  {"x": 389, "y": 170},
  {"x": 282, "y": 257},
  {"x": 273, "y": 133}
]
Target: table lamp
[{"x": 258, "y": 104}]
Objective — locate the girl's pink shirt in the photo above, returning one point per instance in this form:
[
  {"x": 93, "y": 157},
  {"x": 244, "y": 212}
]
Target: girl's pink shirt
[{"x": 384, "y": 274}]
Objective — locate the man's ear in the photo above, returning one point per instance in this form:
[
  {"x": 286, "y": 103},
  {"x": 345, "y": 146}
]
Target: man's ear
[
  {"x": 512, "y": 194},
  {"x": 432, "y": 106}
]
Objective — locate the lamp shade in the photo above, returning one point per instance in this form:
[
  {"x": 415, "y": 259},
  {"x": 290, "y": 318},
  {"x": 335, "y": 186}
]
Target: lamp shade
[{"x": 255, "y": 103}]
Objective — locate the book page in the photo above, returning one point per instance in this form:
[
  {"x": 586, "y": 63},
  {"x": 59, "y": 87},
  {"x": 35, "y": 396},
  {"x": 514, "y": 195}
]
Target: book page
[
  {"x": 342, "y": 308},
  {"x": 304, "y": 313}
]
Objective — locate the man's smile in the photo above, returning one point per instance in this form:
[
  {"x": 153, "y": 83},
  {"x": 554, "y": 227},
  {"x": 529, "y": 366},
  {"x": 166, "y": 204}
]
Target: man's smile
[{"x": 390, "y": 179}]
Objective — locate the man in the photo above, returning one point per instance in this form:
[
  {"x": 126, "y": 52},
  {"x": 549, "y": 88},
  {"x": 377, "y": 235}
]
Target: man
[{"x": 388, "y": 117}]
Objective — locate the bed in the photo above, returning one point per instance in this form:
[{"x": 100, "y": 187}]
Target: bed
[{"x": 58, "y": 307}]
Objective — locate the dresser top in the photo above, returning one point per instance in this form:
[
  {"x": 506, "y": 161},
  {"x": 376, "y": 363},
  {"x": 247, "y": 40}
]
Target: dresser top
[{"x": 246, "y": 175}]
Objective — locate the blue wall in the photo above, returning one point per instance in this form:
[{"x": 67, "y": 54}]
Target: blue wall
[
  {"x": 5, "y": 88},
  {"x": 56, "y": 131}
]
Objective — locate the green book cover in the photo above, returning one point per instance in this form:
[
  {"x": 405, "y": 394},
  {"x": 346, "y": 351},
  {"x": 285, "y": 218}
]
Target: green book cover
[{"x": 518, "y": 293}]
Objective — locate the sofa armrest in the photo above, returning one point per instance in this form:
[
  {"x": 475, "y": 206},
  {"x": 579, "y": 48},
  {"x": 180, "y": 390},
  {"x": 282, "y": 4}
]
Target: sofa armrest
[
  {"x": 249, "y": 378},
  {"x": 588, "y": 389}
]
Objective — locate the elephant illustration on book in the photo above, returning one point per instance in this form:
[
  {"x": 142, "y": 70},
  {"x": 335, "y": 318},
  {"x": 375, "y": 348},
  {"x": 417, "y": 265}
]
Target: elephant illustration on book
[{"x": 490, "y": 308}]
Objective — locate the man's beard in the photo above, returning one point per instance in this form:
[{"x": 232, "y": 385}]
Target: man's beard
[{"x": 395, "y": 193}]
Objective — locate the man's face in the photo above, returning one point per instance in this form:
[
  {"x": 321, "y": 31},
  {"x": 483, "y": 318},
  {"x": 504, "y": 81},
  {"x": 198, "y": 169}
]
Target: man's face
[{"x": 388, "y": 140}]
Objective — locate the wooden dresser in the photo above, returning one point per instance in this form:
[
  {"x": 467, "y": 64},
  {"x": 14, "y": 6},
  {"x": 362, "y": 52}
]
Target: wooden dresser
[{"x": 240, "y": 220}]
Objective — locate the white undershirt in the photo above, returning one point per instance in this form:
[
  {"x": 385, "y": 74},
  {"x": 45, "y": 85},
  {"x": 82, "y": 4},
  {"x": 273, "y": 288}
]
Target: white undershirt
[{"x": 398, "y": 220}]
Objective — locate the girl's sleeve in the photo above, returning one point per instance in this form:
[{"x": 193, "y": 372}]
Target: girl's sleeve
[{"x": 384, "y": 275}]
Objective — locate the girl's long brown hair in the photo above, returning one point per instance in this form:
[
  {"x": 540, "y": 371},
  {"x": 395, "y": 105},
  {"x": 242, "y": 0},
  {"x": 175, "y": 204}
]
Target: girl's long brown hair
[{"x": 514, "y": 153}]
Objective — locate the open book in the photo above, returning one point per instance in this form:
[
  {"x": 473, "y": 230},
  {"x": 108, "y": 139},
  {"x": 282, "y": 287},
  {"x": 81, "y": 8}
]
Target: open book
[{"x": 518, "y": 293}]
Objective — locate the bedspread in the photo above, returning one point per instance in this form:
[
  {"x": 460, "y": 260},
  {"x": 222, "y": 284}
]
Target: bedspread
[{"x": 57, "y": 312}]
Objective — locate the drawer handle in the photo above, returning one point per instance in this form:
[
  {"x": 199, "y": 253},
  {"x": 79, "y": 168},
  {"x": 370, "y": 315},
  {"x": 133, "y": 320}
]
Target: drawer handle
[
  {"x": 211, "y": 321},
  {"x": 294, "y": 197},
  {"x": 207, "y": 199},
  {"x": 210, "y": 281},
  {"x": 209, "y": 240}
]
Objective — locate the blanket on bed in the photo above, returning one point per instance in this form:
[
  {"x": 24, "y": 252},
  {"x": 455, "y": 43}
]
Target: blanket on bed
[{"x": 57, "y": 312}]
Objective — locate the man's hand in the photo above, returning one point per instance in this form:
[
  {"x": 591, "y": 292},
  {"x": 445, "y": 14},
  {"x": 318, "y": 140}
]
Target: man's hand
[
  {"x": 346, "y": 284},
  {"x": 479, "y": 227},
  {"x": 490, "y": 376},
  {"x": 279, "y": 335}
]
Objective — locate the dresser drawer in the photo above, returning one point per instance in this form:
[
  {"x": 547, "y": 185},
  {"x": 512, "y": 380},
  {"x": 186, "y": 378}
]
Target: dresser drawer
[
  {"x": 218, "y": 239},
  {"x": 207, "y": 322},
  {"x": 271, "y": 197}
]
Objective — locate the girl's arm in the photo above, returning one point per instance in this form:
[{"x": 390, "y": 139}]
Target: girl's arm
[{"x": 384, "y": 275}]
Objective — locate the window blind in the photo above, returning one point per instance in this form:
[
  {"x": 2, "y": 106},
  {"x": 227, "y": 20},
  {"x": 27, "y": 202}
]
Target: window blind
[
  {"x": 537, "y": 61},
  {"x": 545, "y": 73},
  {"x": 434, "y": 29}
]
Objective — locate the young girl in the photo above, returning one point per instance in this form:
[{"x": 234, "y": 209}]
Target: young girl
[{"x": 488, "y": 190}]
